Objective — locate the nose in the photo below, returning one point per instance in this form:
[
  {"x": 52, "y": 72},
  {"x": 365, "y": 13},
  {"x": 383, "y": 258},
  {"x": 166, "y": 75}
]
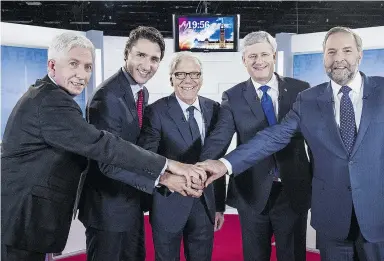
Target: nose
[
  {"x": 146, "y": 65},
  {"x": 339, "y": 56},
  {"x": 81, "y": 73}
]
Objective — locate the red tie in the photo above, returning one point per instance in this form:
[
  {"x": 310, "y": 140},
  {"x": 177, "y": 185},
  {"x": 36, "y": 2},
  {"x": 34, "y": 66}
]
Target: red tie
[{"x": 139, "y": 106}]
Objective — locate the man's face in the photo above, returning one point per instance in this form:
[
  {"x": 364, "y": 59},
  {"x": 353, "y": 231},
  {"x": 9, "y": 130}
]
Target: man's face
[
  {"x": 259, "y": 59},
  {"x": 341, "y": 57},
  {"x": 73, "y": 71},
  {"x": 187, "y": 80},
  {"x": 143, "y": 60}
]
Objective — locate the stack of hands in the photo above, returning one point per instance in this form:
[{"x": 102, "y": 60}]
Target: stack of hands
[{"x": 190, "y": 180}]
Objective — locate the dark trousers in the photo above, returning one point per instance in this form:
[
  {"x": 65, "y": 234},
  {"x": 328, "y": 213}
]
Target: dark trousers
[
  {"x": 278, "y": 219},
  {"x": 9, "y": 253},
  {"x": 116, "y": 246},
  {"x": 354, "y": 248},
  {"x": 197, "y": 236}
]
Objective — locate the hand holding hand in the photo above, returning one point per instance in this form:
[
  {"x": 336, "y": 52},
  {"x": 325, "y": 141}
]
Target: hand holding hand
[
  {"x": 215, "y": 168},
  {"x": 178, "y": 184},
  {"x": 187, "y": 170}
]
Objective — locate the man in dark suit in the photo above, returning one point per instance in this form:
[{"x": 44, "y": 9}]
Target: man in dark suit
[
  {"x": 109, "y": 209},
  {"x": 175, "y": 126},
  {"x": 273, "y": 196},
  {"x": 342, "y": 121},
  {"x": 44, "y": 147}
]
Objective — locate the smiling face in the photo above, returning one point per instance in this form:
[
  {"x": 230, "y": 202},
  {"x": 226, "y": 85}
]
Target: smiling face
[
  {"x": 341, "y": 57},
  {"x": 143, "y": 60},
  {"x": 72, "y": 71},
  {"x": 187, "y": 80},
  {"x": 259, "y": 59}
]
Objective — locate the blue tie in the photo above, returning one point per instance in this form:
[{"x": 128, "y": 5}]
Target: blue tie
[
  {"x": 348, "y": 130},
  {"x": 269, "y": 111},
  {"x": 267, "y": 104}
]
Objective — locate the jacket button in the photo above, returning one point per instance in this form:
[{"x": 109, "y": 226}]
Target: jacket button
[{"x": 349, "y": 188}]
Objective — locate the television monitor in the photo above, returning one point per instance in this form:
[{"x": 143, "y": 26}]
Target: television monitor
[{"x": 206, "y": 33}]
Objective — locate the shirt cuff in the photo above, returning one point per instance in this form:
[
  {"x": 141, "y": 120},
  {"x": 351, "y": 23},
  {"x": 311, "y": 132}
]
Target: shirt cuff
[
  {"x": 161, "y": 173},
  {"x": 227, "y": 164}
]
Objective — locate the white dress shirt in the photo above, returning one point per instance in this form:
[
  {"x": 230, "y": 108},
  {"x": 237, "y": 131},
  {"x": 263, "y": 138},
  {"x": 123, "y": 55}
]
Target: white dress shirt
[
  {"x": 356, "y": 96},
  {"x": 197, "y": 114},
  {"x": 273, "y": 92}
]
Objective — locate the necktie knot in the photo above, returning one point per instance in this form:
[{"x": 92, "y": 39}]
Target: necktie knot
[
  {"x": 191, "y": 110},
  {"x": 345, "y": 90},
  {"x": 264, "y": 88}
]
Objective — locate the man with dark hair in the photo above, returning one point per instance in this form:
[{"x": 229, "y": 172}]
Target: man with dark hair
[{"x": 111, "y": 210}]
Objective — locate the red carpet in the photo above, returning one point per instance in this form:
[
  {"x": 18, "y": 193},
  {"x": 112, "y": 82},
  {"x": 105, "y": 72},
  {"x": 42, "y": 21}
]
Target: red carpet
[{"x": 227, "y": 244}]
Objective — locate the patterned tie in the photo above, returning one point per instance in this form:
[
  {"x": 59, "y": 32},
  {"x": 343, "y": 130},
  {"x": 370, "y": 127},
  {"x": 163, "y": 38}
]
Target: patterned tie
[
  {"x": 348, "y": 130},
  {"x": 139, "y": 106},
  {"x": 269, "y": 111}
]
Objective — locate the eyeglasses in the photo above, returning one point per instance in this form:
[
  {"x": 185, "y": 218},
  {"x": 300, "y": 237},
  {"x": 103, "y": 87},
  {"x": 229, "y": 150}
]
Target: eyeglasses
[{"x": 183, "y": 75}]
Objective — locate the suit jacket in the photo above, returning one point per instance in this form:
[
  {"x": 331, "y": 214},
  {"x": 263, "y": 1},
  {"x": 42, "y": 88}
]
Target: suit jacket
[
  {"x": 241, "y": 112},
  {"x": 340, "y": 180},
  {"x": 106, "y": 203},
  {"x": 166, "y": 131},
  {"x": 44, "y": 147}
]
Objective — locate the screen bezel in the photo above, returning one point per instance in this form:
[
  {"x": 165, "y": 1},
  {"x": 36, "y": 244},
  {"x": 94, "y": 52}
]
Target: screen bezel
[{"x": 235, "y": 33}]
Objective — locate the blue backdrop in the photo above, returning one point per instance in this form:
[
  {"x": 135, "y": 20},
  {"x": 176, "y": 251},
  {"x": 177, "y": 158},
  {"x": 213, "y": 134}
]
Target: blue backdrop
[
  {"x": 20, "y": 67},
  {"x": 310, "y": 68}
]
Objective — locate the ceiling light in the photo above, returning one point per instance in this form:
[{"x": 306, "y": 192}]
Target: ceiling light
[{"x": 33, "y": 3}]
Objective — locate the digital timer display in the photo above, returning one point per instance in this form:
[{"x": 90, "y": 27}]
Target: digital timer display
[{"x": 205, "y": 32}]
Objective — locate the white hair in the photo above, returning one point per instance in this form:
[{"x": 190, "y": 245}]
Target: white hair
[
  {"x": 179, "y": 57},
  {"x": 259, "y": 37},
  {"x": 64, "y": 42}
]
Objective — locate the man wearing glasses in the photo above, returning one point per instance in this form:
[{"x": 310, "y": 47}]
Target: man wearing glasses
[{"x": 175, "y": 126}]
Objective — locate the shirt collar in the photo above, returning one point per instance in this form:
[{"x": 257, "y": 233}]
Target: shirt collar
[
  {"x": 134, "y": 85},
  {"x": 272, "y": 83},
  {"x": 52, "y": 79},
  {"x": 184, "y": 106},
  {"x": 355, "y": 85}
]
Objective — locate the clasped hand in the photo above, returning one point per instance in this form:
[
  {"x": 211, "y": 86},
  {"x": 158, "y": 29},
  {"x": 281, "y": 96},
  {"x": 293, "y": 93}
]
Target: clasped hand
[{"x": 186, "y": 179}]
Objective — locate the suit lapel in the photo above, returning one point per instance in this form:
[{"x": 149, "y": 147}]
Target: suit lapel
[
  {"x": 369, "y": 103},
  {"x": 253, "y": 100},
  {"x": 127, "y": 99},
  {"x": 206, "y": 112},
  {"x": 284, "y": 98},
  {"x": 325, "y": 103},
  {"x": 176, "y": 114}
]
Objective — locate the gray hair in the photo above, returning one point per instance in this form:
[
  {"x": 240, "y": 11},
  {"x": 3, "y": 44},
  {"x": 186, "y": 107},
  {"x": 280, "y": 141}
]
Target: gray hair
[
  {"x": 64, "y": 42},
  {"x": 179, "y": 57},
  {"x": 259, "y": 37},
  {"x": 339, "y": 29}
]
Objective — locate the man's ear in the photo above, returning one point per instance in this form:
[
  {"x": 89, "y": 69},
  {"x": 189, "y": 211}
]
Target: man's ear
[
  {"x": 51, "y": 67},
  {"x": 170, "y": 79}
]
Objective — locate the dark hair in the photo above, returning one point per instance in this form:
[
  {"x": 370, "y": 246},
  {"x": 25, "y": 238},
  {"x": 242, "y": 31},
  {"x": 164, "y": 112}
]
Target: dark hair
[{"x": 144, "y": 32}]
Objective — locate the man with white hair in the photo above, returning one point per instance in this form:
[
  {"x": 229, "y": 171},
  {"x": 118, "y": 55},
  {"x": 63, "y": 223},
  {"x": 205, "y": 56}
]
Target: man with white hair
[
  {"x": 176, "y": 127},
  {"x": 273, "y": 196},
  {"x": 44, "y": 147}
]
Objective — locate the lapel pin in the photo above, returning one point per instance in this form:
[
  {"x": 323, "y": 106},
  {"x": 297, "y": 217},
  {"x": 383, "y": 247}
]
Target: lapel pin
[{"x": 285, "y": 90}]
